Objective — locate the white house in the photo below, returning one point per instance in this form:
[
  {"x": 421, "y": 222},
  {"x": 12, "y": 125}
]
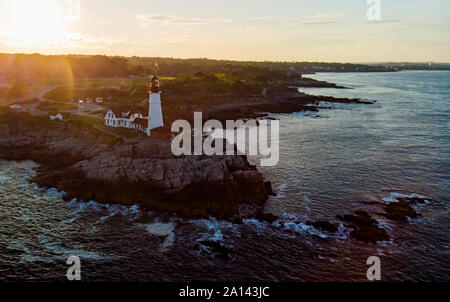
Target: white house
[
  {"x": 99, "y": 100},
  {"x": 128, "y": 117}
]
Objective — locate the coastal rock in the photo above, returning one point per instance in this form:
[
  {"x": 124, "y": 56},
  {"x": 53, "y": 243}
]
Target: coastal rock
[
  {"x": 308, "y": 82},
  {"x": 144, "y": 171},
  {"x": 267, "y": 217},
  {"x": 268, "y": 188},
  {"x": 365, "y": 228},
  {"x": 401, "y": 210},
  {"x": 279, "y": 102}
]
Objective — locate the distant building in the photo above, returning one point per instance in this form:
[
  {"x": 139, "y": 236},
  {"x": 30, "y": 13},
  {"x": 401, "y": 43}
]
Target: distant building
[
  {"x": 99, "y": 100},
  {"x": 15, "y": 106},
  {"x": 128, "y": 117}
]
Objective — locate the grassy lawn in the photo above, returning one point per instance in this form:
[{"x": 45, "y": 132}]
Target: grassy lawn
[
  {"x": 95, "y": 112},
  {"x": 85, "y": 121},
  {"x": 56, "y": 106},
  {"x": 126, "y": 133}
]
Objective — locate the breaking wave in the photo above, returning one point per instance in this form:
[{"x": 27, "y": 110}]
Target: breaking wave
[{"x": 394, "y": 196}]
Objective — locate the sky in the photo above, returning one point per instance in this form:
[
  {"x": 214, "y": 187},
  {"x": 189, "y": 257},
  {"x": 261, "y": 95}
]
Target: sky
[{"x": 275, "y": 30}]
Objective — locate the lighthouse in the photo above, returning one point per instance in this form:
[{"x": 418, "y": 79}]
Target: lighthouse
[{"x": 155, "y": 117}]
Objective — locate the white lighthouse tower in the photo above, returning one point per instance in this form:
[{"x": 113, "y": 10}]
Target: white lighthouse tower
[{"x": 155, "y": 117}]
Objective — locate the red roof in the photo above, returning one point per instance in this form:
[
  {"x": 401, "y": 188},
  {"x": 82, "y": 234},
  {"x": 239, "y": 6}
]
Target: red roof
[
  {"x": 118, "y": 110},
  {"x": 141, "y": 121}
]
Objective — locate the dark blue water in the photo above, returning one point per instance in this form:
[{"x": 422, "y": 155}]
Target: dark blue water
[{"x": 332, "y": 162}]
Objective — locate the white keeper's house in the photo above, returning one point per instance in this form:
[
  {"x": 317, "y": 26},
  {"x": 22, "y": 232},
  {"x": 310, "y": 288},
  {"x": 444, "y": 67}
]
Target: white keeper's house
[{"x": 128, "y": 117}]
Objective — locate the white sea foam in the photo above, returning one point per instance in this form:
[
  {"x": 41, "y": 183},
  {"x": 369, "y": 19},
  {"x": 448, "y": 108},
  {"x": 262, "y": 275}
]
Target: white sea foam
[
  {"x": 61, "y": 252},
  {"x": 394, "y": 196},
  {"x": 255, "y": 222},
  {"x": 53, "y": 194},
  {"x": 280, "y": 190},
  {"x": 113, "y": 209},
  {"x": 212, "y": 229},
  {"x": 54, "y": 251},
  {"x": 342, "y": 232},
  {"x": 161, "y": 229},
  {"x": 303, "y": 229}
]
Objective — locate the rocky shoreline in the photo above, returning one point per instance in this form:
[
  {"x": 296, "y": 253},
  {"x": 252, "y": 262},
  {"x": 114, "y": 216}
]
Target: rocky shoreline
[
  {"x": 283, "y": 102},
  {"x": 309, "y": 83},
  {"x": 143, "y": 172},
  {"x": 87, "y": 166}
]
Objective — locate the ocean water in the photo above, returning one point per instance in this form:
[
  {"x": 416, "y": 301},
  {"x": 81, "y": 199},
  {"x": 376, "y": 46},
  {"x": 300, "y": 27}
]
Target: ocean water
[{"x": 332, "y": 162}]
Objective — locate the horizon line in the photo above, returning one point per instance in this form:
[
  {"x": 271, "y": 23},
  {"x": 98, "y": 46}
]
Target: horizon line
[{"x": 223, "y": 59}]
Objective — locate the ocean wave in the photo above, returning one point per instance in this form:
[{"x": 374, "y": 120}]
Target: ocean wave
[
  {"x": 53, "y": 250},
  {"x": 113, "y": 209},
  {"x": 394, "y": 196},
  {"x": 299, "y": 226},
  {"x": 279, "y": 191},
  {"x": 212, "y": 239},
  {"x": 161, "y": 229},
  {"x": 211, "y": 229},
  {"x": 303, "y": 229},
  {"x": 4, "y": 177},
  {"x": 52, "y": 194}
]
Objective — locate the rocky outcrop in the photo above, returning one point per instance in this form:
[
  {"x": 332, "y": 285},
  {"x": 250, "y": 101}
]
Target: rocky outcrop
[
  {"x": 402, "y": 209},
  {"x": 364, "y": 227},
  {"x": 282, "y": 102},
  {"x": 140, "y": 172},
  {"x": 324, "y": 226},
  {"x": 308, "y": 82}
]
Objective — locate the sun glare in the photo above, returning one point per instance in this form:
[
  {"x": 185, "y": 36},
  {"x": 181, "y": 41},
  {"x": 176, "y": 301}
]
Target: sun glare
[{"x": 34, "y": 22}]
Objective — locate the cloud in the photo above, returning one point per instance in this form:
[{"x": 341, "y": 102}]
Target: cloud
[
  {"x": 240, "y": 28},
  {"x": 327, "y": 16},
  {"x": 321, "y": 19},
  {"x": 324, "y": 22},
  {"x": 173, "y": 20},
  {"x": 261, "y": 18},
  {"x": 307, "y": 20}
]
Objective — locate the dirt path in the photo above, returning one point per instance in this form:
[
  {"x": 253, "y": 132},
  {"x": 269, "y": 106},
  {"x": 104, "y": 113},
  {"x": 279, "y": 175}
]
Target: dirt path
[{"x": 41, "y": 94}]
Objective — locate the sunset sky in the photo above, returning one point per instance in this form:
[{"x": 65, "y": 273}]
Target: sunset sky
[{"x": 301, "y": 30}]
